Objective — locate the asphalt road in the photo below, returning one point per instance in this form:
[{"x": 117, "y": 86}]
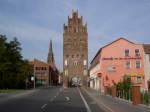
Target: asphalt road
[{"x": 54, "y": 99}]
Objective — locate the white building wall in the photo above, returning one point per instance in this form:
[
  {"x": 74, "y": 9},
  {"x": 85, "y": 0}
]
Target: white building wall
[
  {"x": 147, "y": 69},
  {"x": 95, "y": 83}
]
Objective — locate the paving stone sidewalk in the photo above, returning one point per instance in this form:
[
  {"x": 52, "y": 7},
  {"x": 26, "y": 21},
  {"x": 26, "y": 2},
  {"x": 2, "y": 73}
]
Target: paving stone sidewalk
[{"x": 110, "y": 104}]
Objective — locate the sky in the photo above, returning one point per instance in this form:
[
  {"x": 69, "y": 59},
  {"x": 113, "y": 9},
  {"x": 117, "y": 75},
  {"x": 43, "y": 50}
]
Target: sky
[{"x": 35, "y": 22}]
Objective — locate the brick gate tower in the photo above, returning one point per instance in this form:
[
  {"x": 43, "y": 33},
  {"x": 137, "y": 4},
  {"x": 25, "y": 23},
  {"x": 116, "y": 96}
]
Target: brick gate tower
[{"x": 75, "y": 50}]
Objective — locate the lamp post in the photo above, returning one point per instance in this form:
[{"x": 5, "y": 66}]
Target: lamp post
[{"x": 34, "y": 76}]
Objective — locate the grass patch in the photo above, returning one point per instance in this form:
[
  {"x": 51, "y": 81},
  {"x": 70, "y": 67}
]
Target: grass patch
[{"x": 8, "y": 90}]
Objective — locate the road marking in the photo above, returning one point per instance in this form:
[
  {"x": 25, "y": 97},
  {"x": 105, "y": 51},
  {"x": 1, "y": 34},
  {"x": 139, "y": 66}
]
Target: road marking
[
  {"x": 85, "y": 103},
  {"x": 43, "y": 106},
  {"x": 67, "y": 98}
]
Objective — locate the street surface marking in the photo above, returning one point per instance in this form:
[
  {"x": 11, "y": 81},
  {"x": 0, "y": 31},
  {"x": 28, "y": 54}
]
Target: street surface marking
[
  {"x": 85, "y": 103},
  {"x": 43, "y": 106},
  {"x": 67, "y": 98}
]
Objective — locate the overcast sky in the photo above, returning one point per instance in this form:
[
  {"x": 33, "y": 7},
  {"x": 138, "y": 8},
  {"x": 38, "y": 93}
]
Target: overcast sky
[{"x": 35, "y": 22}]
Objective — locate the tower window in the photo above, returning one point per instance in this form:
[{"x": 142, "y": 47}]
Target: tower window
[
  {"x": 82, "y": 55},
  {"x": 72, "y": 56},
  {"x": 75, "y": 63},
  {"x": 84, "y": 62},
  {"x": 67, "y": 56},
  {"x": 85, "y": 72},
  {"x": 66, "y": 62},
  {"x": 66, "y": 72}
]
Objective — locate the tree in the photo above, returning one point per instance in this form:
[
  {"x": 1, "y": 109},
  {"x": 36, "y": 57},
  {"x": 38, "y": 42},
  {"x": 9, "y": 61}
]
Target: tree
[{"x": 13, "y": 69}]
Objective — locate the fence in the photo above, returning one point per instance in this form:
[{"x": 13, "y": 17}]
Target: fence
[{"x": 127, "y": 94}]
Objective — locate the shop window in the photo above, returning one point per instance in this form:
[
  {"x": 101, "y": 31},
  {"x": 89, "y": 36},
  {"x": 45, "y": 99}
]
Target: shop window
[
  {"x": 137, "y": 52},
  {"x": 139, "y": 80},
  {"x": 138, "y": 64},
  {"x": 127, "y": 52},
  {"x": 128, "y": 64}
]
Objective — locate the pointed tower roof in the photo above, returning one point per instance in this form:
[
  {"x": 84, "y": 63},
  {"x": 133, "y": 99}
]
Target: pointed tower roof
[{"x": 50, "y": 58}]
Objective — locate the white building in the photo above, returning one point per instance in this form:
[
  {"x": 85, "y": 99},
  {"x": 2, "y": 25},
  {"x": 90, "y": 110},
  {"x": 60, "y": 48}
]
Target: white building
[
  {"x": 95, "y": 79},
  {"x": 147, "y": 65}
]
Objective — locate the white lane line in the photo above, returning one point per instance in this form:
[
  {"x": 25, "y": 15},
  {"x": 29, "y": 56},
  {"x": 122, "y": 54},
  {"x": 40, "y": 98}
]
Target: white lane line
[
  {"x": 85, "y": 103},
  {"x": 43, "y": 106},
  {"x": 67, "y": 98}
]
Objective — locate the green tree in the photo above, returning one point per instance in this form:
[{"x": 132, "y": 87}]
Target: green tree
[{"x": 13, "y": 69}]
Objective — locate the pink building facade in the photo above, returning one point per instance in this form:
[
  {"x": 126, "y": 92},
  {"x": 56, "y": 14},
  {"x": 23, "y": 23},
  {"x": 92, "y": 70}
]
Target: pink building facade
[{"x": 116, "y": 60}]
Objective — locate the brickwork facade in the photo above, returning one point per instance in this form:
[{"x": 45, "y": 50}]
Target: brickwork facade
[{"x": 75, "y": 49}]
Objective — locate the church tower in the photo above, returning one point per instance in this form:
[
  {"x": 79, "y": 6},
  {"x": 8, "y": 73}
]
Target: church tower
[
  {"x": 50, "y": 58},
  {"x": 75, "y": 50}
]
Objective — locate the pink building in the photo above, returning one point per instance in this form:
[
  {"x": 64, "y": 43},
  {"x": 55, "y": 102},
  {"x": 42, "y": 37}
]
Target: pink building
[{"x": 116, "y": 60}]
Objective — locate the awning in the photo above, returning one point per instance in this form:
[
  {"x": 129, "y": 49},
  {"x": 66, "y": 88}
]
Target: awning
[{"x": 135, "y": 74}]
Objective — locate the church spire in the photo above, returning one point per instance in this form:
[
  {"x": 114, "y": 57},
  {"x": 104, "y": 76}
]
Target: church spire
[{"x": 50, "y": 58}]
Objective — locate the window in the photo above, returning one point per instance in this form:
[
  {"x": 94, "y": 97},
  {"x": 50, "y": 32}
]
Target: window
[
  {"x": 127, "y": 52},
  {"x": 82, "y": 55},
  {"x": 66, "y": 62},
  {"x": 75, "y": 63},
  {"x": 67, "y": 56},
  {"x": 66, "y": 72},
  {"x": 137, "y": 52},
  {"x": 85, "y": 72},
  {"x": 72, "y": 56},
  {"x": 138, "y": 64},
  {"x": 128, "y": 64},
  {"x": 84, "y": 62},
  {"x": 77, "y": 55},
  {"x": 138, "y": 80}
]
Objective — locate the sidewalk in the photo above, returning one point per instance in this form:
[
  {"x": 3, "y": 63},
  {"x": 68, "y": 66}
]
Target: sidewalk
[
  {"x": 110, "y": 104},
  {"x": 16, "y": 94}
]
